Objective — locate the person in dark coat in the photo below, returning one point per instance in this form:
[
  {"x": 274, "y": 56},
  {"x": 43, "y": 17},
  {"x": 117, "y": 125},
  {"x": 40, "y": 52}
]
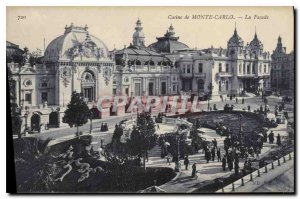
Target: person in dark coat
[
  {"x": 236, "y": 100},
  {"x": 219, "y": 154},
  {"x": 236, "y": 168},
  {"x": 207, "y": 156},
  {"x": 278, "y": 140},
  {"x": 213, "y": 154},
  {"x": 194, "y": 170},
  {"x": 186, "y": 162},
  {"x": 271, "y": 137},
  {"x": 249, "y": 108},
  {"x": 215, "y": 143},
  {"x": 243, "y": 100},
  {"x": 224, "y": 163}
]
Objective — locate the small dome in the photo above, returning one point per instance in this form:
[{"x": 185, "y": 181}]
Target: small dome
[
  {"x": 138, "y": 34},
  {"x": 76, "y": 43},
  {"x": 235, "y": 40},
  {"x": 255, "y": 42}
]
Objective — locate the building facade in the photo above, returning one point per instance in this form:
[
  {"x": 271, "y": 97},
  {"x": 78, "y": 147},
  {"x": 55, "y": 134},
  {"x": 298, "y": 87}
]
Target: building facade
[
  {"x": 283, "y": 70},
  {"x": 74, "y": 61},
  {"x": 78, "y": 61}
]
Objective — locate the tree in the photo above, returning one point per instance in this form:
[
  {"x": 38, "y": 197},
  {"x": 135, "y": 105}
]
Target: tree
[
  {"x": 116, "y": 139},
  {"x": 143, "y": 137},
  {"x": 16, "y": 121},
  {"x": 77, "y": 112}
]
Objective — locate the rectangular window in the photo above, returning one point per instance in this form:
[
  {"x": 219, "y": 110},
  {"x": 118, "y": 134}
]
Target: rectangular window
[
  {"x": 188, "y": 69},
  {"x": 220, "y": 68},
  {"x": 151, "y": 88},
  {"x": 28, "y": 97},
  {"x": 114, "y": 91},
  {"x": 174, "y": 88},
  {"x": 265, "y": 68},
  {"x": 44, "y": 97},
  {"x": 127, "y": 91},
  {"x": 137, "y": 89},
  {"x": 163, "y": 88},
  {"x": 200, "y": 68},
  {"x": 44, "y": 84},
  {"x": 227, "y": 68}
]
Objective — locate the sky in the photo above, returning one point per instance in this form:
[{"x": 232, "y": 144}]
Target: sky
[{"x": 28, "y": 26}]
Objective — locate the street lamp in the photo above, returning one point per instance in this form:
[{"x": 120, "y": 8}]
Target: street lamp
[
  {"x": 91, "y": 119},
  {"x": 26, "y": 116},
  {"x": 210, "y": 87},
  {"x": 177, "y": 159}
]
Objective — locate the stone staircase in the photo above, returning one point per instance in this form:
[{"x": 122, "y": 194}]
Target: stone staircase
[{"x": 155, "y": 151}]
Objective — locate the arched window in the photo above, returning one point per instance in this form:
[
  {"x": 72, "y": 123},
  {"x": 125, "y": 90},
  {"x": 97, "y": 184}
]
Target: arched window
[
  {"x": 138, "y": 62},
  {"x": 151, "y": 63}
]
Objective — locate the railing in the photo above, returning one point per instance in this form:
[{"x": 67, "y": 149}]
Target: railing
[
  {"x": 224, "y": 74},
  {"x": 167, "y": 120},
  {"x": 200, "y": 74},
  {"x": 258, "y": 173}
]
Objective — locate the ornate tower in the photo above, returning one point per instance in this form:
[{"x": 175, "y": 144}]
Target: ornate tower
[
  {"x": 138, "y": 35},
  {"x": 235, "y": 44},
  {"x": 256, "y": 46}
]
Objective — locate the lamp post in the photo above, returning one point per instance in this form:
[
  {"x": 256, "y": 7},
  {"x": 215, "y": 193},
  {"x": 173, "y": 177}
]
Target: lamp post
[
  {"x": 177, "y": 159},
  {"x": 26, "y": 116},
  {"x": 91, "y": 119},
  {"x": 210, "y": 87}
]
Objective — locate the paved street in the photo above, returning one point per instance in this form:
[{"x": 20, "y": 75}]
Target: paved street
[{"x": 183, "y": 182}]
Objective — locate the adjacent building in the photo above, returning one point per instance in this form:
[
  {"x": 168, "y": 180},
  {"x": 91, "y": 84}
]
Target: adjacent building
[{"x": 283, "y": 70}]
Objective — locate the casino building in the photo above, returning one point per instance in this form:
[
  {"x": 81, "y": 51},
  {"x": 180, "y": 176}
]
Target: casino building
[
  {"x": 74, "y": 61},
  {"x": 79, "y": 61}
]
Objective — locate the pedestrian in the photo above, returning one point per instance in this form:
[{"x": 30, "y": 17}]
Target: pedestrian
[
  {"x": 224, "y": 163},
  {"x": 219, "y": 154},
  {"x": 207, "y": 156},
  {"x": 249, "y": 108},
  {"x": 194, "y": 170},
  {"x": 186, "y": 162},
  {"x": 271, "y": 137},
  {"x": 236, "y": 100},
  {"x": 215, "y": 143},
  {"x": 230, "y": 164},
  {"x": 157, "y": 126},
  {"x": 278, "y": 140},
  {"x": 168, "y": 159},
  {"x": 213, "y": 153},
  {"x": 230, "y": 97},
  {"x": 236, "y": 168},
  {"x": 243, "y": 100}
]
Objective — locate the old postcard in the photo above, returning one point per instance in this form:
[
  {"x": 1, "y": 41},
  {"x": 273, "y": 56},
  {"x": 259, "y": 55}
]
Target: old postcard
[{"x": 151, "y": 99}]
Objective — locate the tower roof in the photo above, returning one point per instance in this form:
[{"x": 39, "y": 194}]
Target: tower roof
[
  {"x": 235, "y": 40},
  {"x": 168, "y": 43}
]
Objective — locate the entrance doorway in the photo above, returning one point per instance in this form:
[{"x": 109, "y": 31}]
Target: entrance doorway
[
  {"x": 54, "y": 119},
  {"x": 150, "y": 90},
  {"x": 88, "y": 83},
  {"x": 163, "y": 88},
  {"x": 35, "y": 122}
]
